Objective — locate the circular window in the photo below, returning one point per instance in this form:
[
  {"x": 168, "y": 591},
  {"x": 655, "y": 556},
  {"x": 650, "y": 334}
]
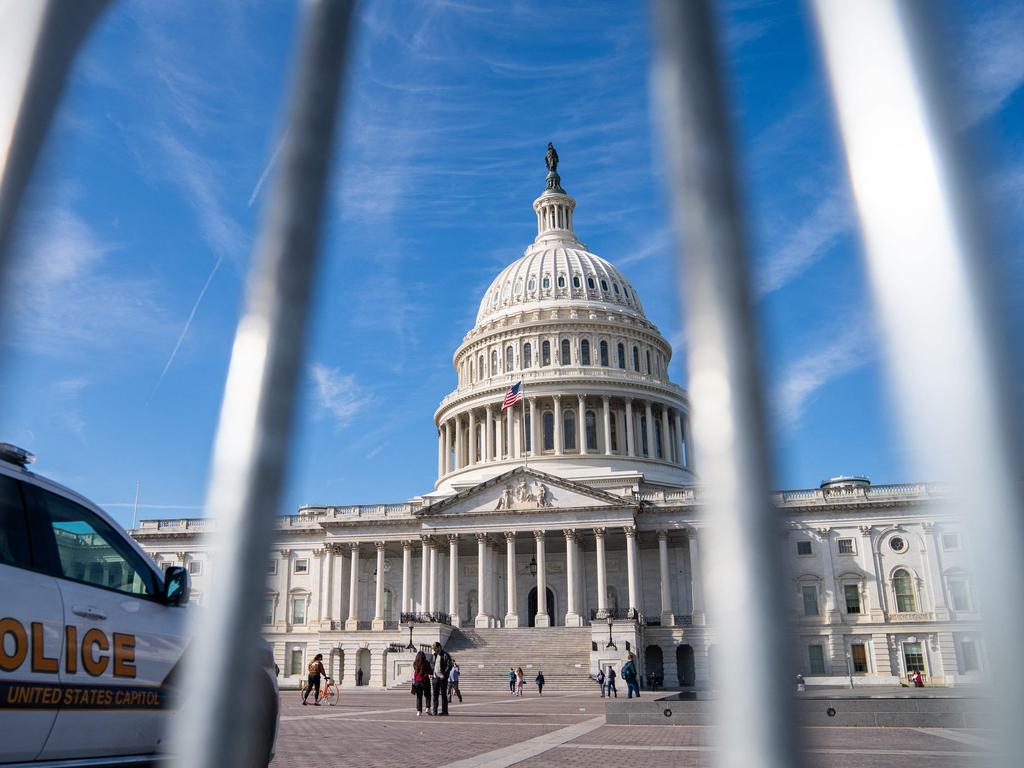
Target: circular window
[{"x": 898, "y": 544}]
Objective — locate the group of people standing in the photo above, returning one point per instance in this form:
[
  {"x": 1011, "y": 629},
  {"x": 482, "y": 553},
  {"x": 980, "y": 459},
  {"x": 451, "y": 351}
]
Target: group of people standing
[
  {"x": 516, "y": 680},
  {"x": 606, "y": 679},
  {"x": 435, "y": 681}
]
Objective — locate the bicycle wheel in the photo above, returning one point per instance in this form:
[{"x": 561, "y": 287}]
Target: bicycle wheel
[{"x": 332, "y": 695}]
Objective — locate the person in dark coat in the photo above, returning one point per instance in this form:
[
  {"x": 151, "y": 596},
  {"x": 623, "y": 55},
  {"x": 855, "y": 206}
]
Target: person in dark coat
[{"x": 539, "y": 680}]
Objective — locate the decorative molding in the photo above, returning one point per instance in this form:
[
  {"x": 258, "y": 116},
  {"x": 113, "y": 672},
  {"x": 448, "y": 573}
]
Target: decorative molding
[
  {"x": 510, "y": 536},
  {"x": 380, "y": 545},
  {"x": 539, "y": 535},
  {"x": 286, "y": 553}
]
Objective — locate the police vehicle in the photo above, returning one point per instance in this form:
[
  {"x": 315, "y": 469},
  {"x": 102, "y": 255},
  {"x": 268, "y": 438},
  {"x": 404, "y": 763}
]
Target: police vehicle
[{"x": 91, "y": 633}]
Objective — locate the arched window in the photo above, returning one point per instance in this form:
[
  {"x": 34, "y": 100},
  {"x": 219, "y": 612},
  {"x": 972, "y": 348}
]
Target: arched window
[
  {"x": 481, "y": 367},
  {"x": 616, "y": 287},
  {"x": 529, "y": 432},
  {"x": 494, "y": 362},
  {"x": 532, "y": 286},
  {"x": 604, "y": 285},
  {"x": 648, "y": 362},
  {"x": 590, "y": 283},
  {"x": 479, "y": 440},
  {"x": 643, "y": 434},
  {"x": 549, "y": 431},
  {"x": 566, "y": 357},
  {"x": 636, "y": 359},
  {"x": 657, "y": 438},
  {"x": 561, "y": 281},
  {"x": 389, "y": 605},
  {"x": 527, "y": 355},
  {"x": 585, "y": 352},
  {"x": 622, "y": 356},
  {"x": 569, "y": 430},
  {"x": 546, "y": 282},
  {"x": 471, "y": 372},
  {"x": 509, "y": 359},
  {"x": 545, "y": 353},
  {"x": 604, "y": 353},
  {"x": 625, "y": 291},
  {"x": 519, "y": 287},
  {"x": 903, "y": 586},
  {"x": 591, "y": 429},
  {"x": 575, "y": 281},
  {"x": 507, "y": 291}
]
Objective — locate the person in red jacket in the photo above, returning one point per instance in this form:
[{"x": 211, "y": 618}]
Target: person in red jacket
[{"x": 421, "y": 681}]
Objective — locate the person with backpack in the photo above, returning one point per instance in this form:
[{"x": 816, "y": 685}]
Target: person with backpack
[
  {"x": 453, "y": 682},
  {"x": 609, "y": 682},
  {"x": 539, "y": 680},
  {"x": 315, "y": 669},
  {"x": 629, "y": 674},
  {"x": 421, "y": 682},
  {"x": 600, "y": 682},
  {"x": 512, "y": 680},
  {"x": 442, "y": 668}
]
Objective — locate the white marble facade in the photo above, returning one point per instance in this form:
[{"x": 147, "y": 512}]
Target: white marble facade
[{"x": 588, "y": 490}]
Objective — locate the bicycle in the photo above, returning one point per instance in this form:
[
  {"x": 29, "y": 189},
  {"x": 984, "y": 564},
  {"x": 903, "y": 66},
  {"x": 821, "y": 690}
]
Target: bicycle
[{"x": 329, "y": 691}]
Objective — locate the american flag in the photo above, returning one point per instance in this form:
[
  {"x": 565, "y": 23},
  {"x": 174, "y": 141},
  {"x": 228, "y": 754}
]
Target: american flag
[{"x": 513, "y": 396}]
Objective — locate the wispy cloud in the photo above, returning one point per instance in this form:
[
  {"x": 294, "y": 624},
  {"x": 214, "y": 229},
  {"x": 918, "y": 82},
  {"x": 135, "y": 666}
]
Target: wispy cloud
[
  {"x": 993, "y": 61},
  {"x": 338, "y": 395}
]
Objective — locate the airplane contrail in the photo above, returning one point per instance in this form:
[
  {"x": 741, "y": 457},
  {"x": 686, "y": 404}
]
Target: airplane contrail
[{"x": 266, "y": 170}]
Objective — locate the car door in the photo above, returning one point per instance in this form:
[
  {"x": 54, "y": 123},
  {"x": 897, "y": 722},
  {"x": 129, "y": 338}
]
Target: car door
[
  {"x": 31, "y": 623},
  {"x": 127, "y": 639}
]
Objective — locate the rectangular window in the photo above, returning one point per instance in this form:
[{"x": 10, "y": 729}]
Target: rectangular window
[
  {"x": 846, "y": 547},
  {"x": 859, "y": 655},
  {"x": 810, "y": 600},
  {"x": 950, "y": 541},
  {"x": 295, "y": 664},
  {"x": 852, "y": 594},
  {"x": 195, "y": 568},
  {"x": 803, "y": 548},
  {"x": 969, "y": 652},
  {"x": 272, "y": 567},
  {"x": 913, "y": 656},
  {"x": 298, "y": 610},
  {"x": 816, "y": 655},
  {"x": 959, "y": 594},
  {"x": 301, "y": 566},
  {"x": 268, "y": 611},
  {"x": 14, "y": 543}
]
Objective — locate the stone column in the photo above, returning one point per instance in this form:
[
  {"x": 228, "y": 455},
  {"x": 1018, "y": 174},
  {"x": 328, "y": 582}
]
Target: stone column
[
  {"x": 432, "y": 588},
  {"x": 869, "y": 563},
  {"x": 512, "y": 608},
  {"x": 284, "y": 580},
  {"x": 666, "y": 437},
  {"x": 667, "y": 618},
  {"x": 542, "y": 619},
  {"x": 696, "y": 580},
  {"x": 424, "y": 572},
  {"x": 649, "y": 430},
  {"x": 460, "y": 444},
  {"x": 602, "y": 576},
  {"x": 406, "y": 577},
  {"x": 831, "y": 612},
  {"x": 581, "y": 425},
  {"x": 440, "y": 452},
  {"x": 378, "y": 605},
  {"x": 447, "y": 448},
  {"x": 481, "y": 580},
  {"x": 494, "y": 591},
  {"x": 607, "y": 426},
  {"x": 630, "y": 437},
  {"x": 680, "y": 453},
  {"x": 630, "y": 532},
  {"x": 533, "y": 428},
  {"x": 558, "y": 425},
  {"x": 473, "y": 458},
  {"x": 572, "y": 615},
  {"x": 353, "y": 591},
  {"x": 327, "y": 590},
  {"x": 510, "y": 433},
  {"x": 499, "y": 438},
  {"x": 934, "y": 563},
  {"x": 453, "y": 579},
  {"x": 341, "y": 594}
]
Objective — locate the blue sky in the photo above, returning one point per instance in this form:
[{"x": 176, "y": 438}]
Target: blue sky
[{"x": 137, "y": 235}]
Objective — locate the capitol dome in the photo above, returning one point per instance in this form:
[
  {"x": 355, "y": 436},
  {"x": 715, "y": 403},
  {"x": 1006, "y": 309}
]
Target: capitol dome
[{"x": 598, "y": 404}]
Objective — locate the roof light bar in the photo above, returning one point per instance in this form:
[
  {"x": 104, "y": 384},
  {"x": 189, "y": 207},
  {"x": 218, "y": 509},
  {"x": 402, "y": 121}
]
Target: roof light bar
[{"x": 16, "y": 455}]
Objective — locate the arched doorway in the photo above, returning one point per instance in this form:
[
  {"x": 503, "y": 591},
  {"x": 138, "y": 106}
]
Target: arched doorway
[
  {"x": 684, "y": 666},
  {"x": 362, "y": 665},
  {"x": 531, "y": 606},
  {"x": 654, "y": 664}
]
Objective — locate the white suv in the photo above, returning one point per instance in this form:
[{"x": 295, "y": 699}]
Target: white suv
[{"x": 91, "y": 634}]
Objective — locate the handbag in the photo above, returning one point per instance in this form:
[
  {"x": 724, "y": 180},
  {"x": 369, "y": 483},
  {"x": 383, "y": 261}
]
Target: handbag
[{"x": 412, "y": 690}]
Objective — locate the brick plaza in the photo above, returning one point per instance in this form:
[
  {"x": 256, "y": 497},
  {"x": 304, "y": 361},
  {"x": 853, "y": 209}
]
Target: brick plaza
[{"x": 378, "y": 729}]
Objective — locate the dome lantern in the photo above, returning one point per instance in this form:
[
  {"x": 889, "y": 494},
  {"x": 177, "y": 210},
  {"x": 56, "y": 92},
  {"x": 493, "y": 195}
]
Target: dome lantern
[{"x": 554, "y": 207}]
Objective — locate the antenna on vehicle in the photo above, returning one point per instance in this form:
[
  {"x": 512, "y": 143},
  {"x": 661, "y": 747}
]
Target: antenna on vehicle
[{"x": 135, "y": 506}]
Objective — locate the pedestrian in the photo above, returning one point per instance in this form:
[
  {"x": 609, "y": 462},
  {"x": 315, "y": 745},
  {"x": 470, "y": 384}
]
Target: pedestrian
[
  {"x": 539, "y": 680},
  {"x": 442, "y": 666},
  {"x": 453, "y": 682},
  {"x": 512, "y": 680},
  {"x": 519, "y": 681},
  {"x": 629, "y": 675},
  {"x": 600, "y": 681},
  {"x": 359, "y": 676},
  {"x": 315, "y": 669},
  {"x": 918, "y": 680},
  {"x": 610, "y": 682},
  {"x": 421, "y": 682}
]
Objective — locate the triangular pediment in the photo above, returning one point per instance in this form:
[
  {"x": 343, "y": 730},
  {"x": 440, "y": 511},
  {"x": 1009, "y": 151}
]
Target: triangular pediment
[{"x": 524, "y": 490}]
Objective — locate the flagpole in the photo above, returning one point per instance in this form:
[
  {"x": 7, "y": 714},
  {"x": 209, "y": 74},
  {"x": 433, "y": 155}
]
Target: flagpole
[{"x": 526, "y": 451}]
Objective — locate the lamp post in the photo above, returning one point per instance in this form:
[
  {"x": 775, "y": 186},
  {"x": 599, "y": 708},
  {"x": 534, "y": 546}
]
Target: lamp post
[
  {"x": 610, "y": 643},
  {"x": 410, "y": 646},
  {"x": 533, "y": 566}
]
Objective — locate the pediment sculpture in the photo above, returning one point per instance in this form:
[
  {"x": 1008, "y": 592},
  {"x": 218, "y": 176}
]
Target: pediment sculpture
[{"x": 524, "y": 495}]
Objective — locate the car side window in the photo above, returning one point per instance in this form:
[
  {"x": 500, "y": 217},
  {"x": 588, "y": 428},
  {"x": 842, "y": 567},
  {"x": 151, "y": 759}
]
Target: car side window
[
  {"x": 14, "y": 542},
  {"x": 90, "y": 550}
]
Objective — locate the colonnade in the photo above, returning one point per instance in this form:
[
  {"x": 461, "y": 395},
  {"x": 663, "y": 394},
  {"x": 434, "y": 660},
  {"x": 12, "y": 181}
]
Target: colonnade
[{"x": 631, "y": 428}]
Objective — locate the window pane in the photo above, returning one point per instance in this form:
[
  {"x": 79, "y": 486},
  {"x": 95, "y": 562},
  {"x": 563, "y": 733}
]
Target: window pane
[
  {"x": 92, "y": 551},
  {"x": 810, "y": 600},
  {"x": 636, "y": 359},
  {"x": 302, "y": 566},
  {"x": 299, "y": 610},
  {"x": 622, "y": 357},
  {"x": 858, "y": 652},
  {"x": 296, "y": 665},
  {"x": 960, "y": 594},
  {"x": 591, "y": 431},
  {"x": 845, "y": 546},
  {"x": 969, "y": 651},
  {"x": 604, "y": 353},
  {"x": 14, "y": 547},
  {"x": 549, "y": 431},
  {"x": 268, "y": 611},
  {"x": 527, "y": 355},
  {"x": 913, "y": 657},
  {"x": 585, "y": 352},
  {"x": 904, "y": 589},
  {"x": 803, "y": 547},
  {"x": 569, "y": 431},
  {"x": 545, "y": 353},
  {"x": 852, "y": 593},
  {"x": 816, "y": 654},
  {"x": 566, "y": 357}
]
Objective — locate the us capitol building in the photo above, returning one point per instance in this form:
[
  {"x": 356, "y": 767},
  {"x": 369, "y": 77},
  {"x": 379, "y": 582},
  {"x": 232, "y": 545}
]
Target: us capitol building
[{"x": 568, "y": 528}]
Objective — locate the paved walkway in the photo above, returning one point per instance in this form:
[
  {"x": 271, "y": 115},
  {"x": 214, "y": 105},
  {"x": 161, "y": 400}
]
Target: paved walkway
[{"x": 370, "y": 729}]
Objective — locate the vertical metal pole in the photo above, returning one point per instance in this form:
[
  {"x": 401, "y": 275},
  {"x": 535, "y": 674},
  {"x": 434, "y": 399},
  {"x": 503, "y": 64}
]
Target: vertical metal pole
[
  {"x": 927, "y": 262},
  {"x": 216, "y": 725},
  {"x": 742, "y": 567}
]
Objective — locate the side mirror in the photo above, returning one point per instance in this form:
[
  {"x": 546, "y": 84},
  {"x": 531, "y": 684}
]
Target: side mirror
[{"x": 175, "y": 585}]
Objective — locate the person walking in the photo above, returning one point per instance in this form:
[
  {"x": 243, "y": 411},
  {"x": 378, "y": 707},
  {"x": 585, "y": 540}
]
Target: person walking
[
  {"x": 421, "y": 682},
  {"x": 609, "y": 682},
  {"x": 453, "y": 682},
  {"x": 359, "y": 676},
  {"x": 539, "y": 680},
  {"x": 512, "y": 680},
  {"x": 629, "y": 675},
  {"x": 519, "y": 681},
  {"x": 442, "y": 666},
  {"x": 315, "y": 669},
  {"x": 600, "y": 681}
]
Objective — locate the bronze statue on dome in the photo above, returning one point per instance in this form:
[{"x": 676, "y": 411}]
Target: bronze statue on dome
[{"x": 554, "y": 181}]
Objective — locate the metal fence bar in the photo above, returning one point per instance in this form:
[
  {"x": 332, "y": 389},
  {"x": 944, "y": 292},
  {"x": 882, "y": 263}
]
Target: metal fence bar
[
  {"x": 253, "y": 436},
  {"x": 743, "y": 569},
  {"x": 927, "y": 266}
]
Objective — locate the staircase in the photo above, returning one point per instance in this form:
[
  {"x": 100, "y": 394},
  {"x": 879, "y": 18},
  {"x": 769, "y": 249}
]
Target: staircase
[{"x": 484, "y": 656}]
